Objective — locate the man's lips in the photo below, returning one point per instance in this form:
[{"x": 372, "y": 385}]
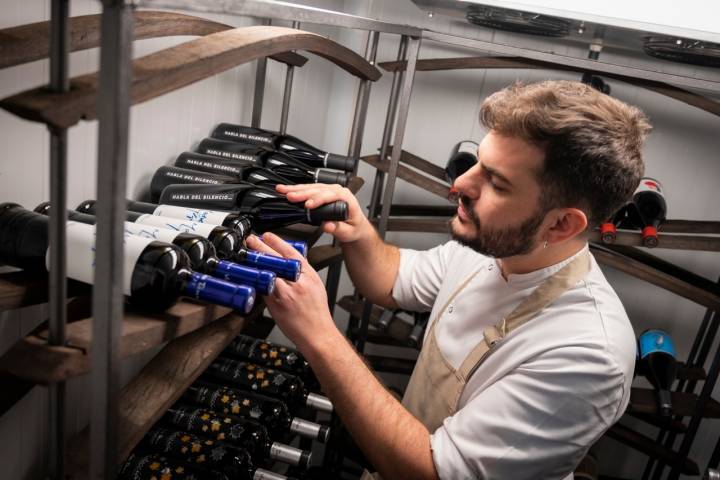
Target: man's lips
[{"x": 462, "y": 214}]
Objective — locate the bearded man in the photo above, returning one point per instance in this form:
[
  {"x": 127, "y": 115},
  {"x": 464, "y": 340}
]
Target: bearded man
[{"x": 528, "y": 356}]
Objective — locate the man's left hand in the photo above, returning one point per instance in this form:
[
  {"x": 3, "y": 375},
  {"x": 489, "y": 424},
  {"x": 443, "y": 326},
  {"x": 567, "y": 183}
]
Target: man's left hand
[{"x": 299, "y": 308}]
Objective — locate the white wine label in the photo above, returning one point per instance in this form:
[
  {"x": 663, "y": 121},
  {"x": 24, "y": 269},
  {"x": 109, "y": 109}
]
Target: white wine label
[
  {"x": 212, "y": 217},
  {"x": 176, "y": 224},
  {"x": 81, "y": 253},
  {"x": 149, "y": 231},
  {"x": 648, "y": 184},
  {"x": 468, "y": 147}
]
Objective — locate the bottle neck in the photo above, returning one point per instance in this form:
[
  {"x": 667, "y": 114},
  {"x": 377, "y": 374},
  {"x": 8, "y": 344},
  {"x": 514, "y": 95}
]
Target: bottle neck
[{"x": 141, "y": 207}]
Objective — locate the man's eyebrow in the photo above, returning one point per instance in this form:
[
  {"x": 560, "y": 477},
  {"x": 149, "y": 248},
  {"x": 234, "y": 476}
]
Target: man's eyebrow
[{"x": 497, "y": 174}]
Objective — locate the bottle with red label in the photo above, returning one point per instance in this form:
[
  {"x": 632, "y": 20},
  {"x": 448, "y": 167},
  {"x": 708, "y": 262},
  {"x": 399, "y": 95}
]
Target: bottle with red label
[{"x": 651, "y": 207}]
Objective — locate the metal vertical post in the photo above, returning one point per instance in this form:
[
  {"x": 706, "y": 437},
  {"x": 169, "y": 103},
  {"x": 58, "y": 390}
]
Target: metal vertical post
[
  {"x": 288, "y": 90},
  {"x": 397, "y": 77},
  {"x": 413, "y": 48},
  {"x": 389, "y": 125},
  {"x": 259, "y": 95},
  {"x": 698, "y": 412},
  {"x": 59, "y": 66},
  {"x": 354, "y": 146},
  {"x": 113, "y": 123},
  {"x": 403, "y": 109}
]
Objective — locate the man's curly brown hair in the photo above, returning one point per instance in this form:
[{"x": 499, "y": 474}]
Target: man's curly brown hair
[{"x": 592, "y": 142}]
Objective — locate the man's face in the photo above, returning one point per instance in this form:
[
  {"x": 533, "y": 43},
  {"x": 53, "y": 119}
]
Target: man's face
[{"x": 499, "y": 212}]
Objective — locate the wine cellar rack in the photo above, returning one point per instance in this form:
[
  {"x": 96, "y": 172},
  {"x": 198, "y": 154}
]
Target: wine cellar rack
[{"x": 195, "y": 333}]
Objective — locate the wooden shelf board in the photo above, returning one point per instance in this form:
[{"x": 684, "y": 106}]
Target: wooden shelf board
[
  {"x": 22, "y": 289},
  {"x": 674, "y": 241},
  {"x": 175, "y": 67},
  {"x": 398, "y": 329},
  {"x": 390, "y": 365},
  {"x": 650, "y": 447},
  {"x": 158, "y": 385},
  {"x": 643, "y": 401},
  {"x": 493, "y": 62},
  {"x": 28, "y": 43},
  {"x": 420, "y": 164},
  {"x": 424, "y": 225},
  {"x": 323, "y": 256},
  {"x": 658, "y": 272},
  {"x": 658, "y": 421},
  {"x": 33, "y": 360},
  {"x": 409, "y": 175}
]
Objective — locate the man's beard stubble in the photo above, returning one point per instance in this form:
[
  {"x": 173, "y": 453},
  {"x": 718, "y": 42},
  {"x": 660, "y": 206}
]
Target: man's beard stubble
[{"x": 507, "y": 242}]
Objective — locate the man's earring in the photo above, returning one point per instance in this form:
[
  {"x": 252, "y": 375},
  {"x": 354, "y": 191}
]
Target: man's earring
[{"x": 545, "y": 244}]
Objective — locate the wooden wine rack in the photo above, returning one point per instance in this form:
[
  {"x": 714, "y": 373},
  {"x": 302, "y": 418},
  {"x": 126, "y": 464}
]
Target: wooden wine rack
[{"x": 195, "y": 333}]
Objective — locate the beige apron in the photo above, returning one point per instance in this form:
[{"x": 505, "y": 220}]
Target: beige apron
[{"x": 435, "y": 386}]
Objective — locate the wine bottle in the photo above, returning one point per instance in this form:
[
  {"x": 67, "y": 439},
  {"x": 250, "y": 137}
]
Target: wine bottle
[
  {"x": 211, "y": 150},
  {"x": 651, "y": 207},
  {"x": 166, "y": 175},
  {"x": 239, "y": 223},
  {"x": 293, "y": 146},
  {"x": 141, "y": 466},
  {"x": 227, "y": 243},
  {"x": 233, "y": 462},
  {"x": 267, "y": 209},
  {"x": 462, "y": 158},
  {"x": 270, "y": 412},
  {"x": 225, "y": 240},
  {"x": 155, "y": 274},
  {"x": 415, "y": 339},
  {"x": 659, "y": 365},
  {"x": 266, "y": 354},
  {"x": 238, "y": 431},
  {"x": 199, "y": 249},
  {"x": 266, "y": 381}
]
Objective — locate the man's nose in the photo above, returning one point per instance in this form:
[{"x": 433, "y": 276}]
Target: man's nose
[{"x": 469, "y": 183}]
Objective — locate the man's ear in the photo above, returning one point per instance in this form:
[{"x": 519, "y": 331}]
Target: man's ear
[{"x": 564, "y": 224}]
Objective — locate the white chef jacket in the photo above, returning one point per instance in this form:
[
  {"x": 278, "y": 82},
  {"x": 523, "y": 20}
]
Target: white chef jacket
[{"x": 548, "y": 391}]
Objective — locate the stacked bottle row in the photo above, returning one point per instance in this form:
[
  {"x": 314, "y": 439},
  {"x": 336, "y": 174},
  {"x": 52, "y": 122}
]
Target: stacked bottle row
[
  {"x": 227, "y": 170},
  {"x": 235, "y": 430}
]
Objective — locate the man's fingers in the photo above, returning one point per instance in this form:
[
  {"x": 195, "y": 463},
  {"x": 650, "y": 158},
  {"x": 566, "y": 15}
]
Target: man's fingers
[
  {"x": 293, "y": 188},
  {"x": 283, "y": 248},
  {"x": 256, "y": 244},
  {"x": 326, "y": 196}
]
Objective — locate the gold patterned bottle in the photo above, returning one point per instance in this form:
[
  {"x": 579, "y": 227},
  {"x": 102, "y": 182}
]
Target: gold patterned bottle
[
  {"x": 267, "y": 381},
  {"x": 266, "y": 354},
  {"x": 154, "y": 466},
  {"x": 270, "y": 412},
  {"x": 238, "y": 431},
  {"x": 234, "y": 462}
]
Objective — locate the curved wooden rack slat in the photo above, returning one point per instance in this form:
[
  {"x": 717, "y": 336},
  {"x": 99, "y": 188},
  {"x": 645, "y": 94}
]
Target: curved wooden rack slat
[
  {"x": 27, "y": 43},
  {"x": 167, "y": 70},
  {"x": 690, "y": 98}
]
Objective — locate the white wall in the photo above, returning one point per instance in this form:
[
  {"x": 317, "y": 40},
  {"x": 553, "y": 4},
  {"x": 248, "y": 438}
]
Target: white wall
[{"x": 681, "y": 152}]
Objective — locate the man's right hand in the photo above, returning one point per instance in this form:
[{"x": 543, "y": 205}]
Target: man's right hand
[{"x": 316, "y": 194}]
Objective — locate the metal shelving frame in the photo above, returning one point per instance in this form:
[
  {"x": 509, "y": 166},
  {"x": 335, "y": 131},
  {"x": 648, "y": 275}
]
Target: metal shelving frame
[
  {"x": 116, "y": 47},
  {"x": 113, "y": 122}
]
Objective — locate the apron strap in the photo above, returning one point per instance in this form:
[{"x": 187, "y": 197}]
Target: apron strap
[{"x": 541, "y": 297}]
